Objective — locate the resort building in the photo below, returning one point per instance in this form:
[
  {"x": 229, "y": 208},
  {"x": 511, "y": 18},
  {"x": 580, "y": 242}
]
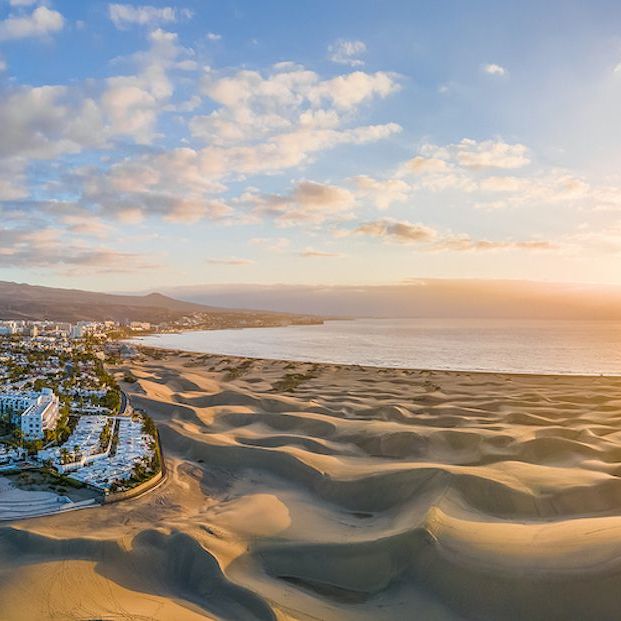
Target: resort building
[{"x": 31, "y": 412}]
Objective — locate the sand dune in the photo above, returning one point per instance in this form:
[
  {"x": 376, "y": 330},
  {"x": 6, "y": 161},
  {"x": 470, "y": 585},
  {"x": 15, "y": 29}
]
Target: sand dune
[{"x": 300, "y": 491}]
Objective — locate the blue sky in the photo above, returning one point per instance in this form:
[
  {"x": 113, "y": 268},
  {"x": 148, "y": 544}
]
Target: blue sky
[{"x": 163, "y": 144}]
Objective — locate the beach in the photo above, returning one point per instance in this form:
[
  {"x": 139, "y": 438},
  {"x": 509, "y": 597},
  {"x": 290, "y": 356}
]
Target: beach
[{"x": 307, "y": 491}]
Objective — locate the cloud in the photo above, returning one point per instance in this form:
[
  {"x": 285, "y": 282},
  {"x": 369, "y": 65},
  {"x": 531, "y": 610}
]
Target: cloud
[
  {"x": 494, "y": 69},
  {"x": 266, "y": 123},
  {"x": 124, "y": 15},
  {"x": 311, "y": 253},
  {"x": 46, "y": 248},
  {"x": 42, "y": 123},
  {"x": 3, "y": 64},
  {"x": 274, "y": 244},
  {"x": 40, "y": 23},
  {"x": 308, "y": 201},
  {"x": 263, "y": 122},
  {"x": 133, "y": 103},
  {"x": 383, "y": 192},
  {"x": 47, "y": 121},
  {"x": 462, "y": 166},
  {"x": 286, "y": 150},
  {"x": 12, "y": 179},
  {"x": 430, "y": 240},
  {"x": 253, "y": 105},
  {"x": 86, "y": 224},
  {"x": 402, "y": 232},
  {"x": 213, "y": 36},
  {"x": 551, "y": 187},
  {"x": 347, "y": 52},
  {"x": 476, "y": 168},
  {"x": 230, "y": 261},
  {"x": 107, "y": 261},
  {"x": 491, "y": 154},
  {"x": 596, "y": 241},
  {"x": 420, "y": 165},
  {"x": 464, "y": 243},
  {"x": 472, "y": 154},
  {"x": 172, "y": 184}
]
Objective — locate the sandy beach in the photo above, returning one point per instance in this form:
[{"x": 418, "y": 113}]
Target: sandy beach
[{"x": 299, "y": 491}]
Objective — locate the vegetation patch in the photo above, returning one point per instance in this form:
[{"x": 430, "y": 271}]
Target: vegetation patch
[
  {"x": 234, "y": 373},
  {"x": 291, "y": 381}
]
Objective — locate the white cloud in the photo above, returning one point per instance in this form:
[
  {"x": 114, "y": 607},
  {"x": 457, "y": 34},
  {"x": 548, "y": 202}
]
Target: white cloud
[
  {"x": 286, "y": 150},
  {"x": 475, "y": 168},
  {"x": 421, "y": 165},
  {"x": 2, "y": 64},
  {"x": 554, "y": 186},
  {"x": 132, "y": 103},
  {"x": 494, "y": 69},
  {"x": 124, "y": 15},
  {"x": 41, "y": 22},
  {"x": 213, "y": 36},
  {"x": 347, "y": 52},
  {"x": 263, "y": 123},
  {"x": 491, "y": 154},
  {"x": 460, "y": 166},
  {"x": 252, "y": 105},
  {"x": 43, "y": 122},
  {"x": 480, "y": 154},
  {"x": 350, "y": 90},
  {"x": 383, "y": 192},
  {"x": 267, "y": 123}
]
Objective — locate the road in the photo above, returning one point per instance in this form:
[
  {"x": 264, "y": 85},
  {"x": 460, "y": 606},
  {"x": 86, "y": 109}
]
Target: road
[{"x": 123, "y": 408}]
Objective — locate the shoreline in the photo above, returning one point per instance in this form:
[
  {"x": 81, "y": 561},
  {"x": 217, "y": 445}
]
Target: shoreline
[
  {"x": 378, "y": 368},
  {"x": 523, "y": 348}
]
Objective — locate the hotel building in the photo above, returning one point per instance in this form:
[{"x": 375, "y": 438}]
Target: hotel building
[{"x": 32, "y": 412}]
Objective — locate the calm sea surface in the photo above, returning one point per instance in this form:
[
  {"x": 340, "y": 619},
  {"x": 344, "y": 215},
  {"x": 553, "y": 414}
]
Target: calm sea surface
[{"x": 573, "y": 347}]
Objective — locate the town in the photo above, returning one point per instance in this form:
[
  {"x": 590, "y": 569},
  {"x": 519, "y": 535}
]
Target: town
[{"x": 63, "y": 417}]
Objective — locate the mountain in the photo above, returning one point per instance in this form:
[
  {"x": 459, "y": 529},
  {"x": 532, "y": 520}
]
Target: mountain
[
  {"x": 23, "y": 301},
  {"x": 446, "y": 298}
]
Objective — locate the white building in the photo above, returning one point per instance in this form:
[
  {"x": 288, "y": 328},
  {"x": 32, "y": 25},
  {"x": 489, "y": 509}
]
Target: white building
[
  {"x": 8, "y": 327},
  {"x": 140, "y": 325},
  {"x": 32, "y": 412},
  {"x": 78, "y": 331}
]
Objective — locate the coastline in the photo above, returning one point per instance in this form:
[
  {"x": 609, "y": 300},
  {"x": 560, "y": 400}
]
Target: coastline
[
  {"x": 539, "y": 348},
  {"x": 370, "y": 367},
  {"x": 299, "y": 490}
]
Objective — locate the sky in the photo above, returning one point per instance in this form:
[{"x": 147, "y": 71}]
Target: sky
[{"x": 145, "y": 146}]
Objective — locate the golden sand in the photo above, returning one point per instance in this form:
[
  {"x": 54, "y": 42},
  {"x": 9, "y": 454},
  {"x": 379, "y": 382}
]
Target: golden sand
[{"x": 305, "y": 491}]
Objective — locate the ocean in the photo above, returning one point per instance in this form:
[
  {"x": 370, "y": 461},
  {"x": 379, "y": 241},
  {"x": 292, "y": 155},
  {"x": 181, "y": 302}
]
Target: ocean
[{"x": 498, "y": 345}]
